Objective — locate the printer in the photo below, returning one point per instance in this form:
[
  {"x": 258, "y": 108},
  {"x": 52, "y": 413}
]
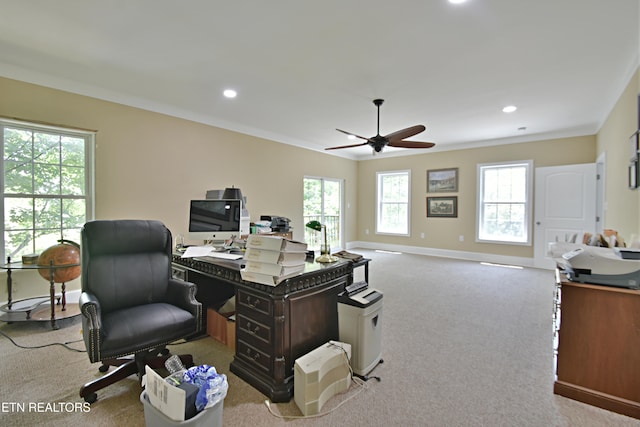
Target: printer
[
  {"x": 278, "y": 223},
  {"x": 618, "y": 267}
]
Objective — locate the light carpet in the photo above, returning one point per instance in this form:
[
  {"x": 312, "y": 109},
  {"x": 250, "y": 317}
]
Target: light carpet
[{"x": 464, "y": 344}]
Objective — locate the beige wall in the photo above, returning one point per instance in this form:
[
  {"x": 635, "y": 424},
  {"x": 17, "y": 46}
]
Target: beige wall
[
  {"x": 622, "y": 204},
  {"x": 150, "y": 165},
  {"x": 444, "y": 233}
]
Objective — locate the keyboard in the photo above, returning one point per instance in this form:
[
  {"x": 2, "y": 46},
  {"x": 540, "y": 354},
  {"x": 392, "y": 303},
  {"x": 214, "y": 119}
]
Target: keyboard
[{"x": 223, "y": 255}]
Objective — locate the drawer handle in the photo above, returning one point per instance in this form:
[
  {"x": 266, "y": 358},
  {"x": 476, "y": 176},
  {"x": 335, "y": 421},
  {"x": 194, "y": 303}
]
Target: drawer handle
[
  {"x": 256, "y": 356},
  {"x": 254, "y": 304},
  {"x": 254, "y": 330}
]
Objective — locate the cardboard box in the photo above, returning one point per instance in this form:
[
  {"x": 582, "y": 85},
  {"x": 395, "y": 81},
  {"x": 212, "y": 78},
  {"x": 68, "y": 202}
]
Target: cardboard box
[{"x": 222, "y": 327}]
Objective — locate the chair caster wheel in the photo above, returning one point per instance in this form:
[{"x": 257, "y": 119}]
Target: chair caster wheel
[
  {"x": 164, "y": 352},
  {"x": 103, "y": 368},
  {"x": 91, "y": 398}
]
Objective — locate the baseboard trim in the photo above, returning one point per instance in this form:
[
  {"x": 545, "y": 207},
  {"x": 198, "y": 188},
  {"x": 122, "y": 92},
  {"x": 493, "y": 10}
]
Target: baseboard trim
[
  {"x": 444, "y": 253},
  {"x": 599, "y": 399}
]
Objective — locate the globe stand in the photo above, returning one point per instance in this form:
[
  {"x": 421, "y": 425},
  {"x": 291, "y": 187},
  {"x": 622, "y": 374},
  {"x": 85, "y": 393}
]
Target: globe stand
[{"x": 66, "y": 269}]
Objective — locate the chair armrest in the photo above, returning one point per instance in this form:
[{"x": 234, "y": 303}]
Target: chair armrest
[
  {"x": 90, "y": 308},
  {"x": 91, "y": 324},
  {"x": 183, "y": 295}
]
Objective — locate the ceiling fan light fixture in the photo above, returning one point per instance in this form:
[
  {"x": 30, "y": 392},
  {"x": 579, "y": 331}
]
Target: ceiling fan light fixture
[{"x": 394, "y": 139}]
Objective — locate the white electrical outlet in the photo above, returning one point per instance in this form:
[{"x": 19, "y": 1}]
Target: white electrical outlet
[
  {"x": 461, "y": 238},
  {"x": 422, "y": 235},
  {"x": 366, "y": 231}
]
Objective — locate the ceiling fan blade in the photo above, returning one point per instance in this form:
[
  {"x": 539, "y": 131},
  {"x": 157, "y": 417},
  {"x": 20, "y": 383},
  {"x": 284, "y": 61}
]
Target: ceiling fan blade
[
  {"x": 353, "y": 134},
  {"x": 405, "y": 133},
  {"x": 411, "y": 144},
  {"x": 347, "y": 146}
]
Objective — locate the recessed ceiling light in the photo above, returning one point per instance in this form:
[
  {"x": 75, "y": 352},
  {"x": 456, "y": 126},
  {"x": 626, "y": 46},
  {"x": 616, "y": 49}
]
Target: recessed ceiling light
[
  {"x": 509, "y": 109},
  {"x": 457, "y": 1},
  {"x": 230, "y": 93},
  {"x": 351, "y": 137}
]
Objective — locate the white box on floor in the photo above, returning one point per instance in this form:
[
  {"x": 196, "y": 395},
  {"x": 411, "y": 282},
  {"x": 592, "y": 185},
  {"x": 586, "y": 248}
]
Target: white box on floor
[{"x": 320, "y": 374}]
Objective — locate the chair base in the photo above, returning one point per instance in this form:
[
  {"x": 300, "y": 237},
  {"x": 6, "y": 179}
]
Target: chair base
[{"x": 126, "y": 367}]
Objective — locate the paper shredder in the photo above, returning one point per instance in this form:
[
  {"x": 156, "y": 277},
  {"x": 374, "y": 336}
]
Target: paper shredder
[{"x": 359, "y": 323}]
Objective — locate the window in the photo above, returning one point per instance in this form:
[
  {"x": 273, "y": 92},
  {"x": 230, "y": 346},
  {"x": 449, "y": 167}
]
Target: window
[
  {"x": 323, "y": 203},
  {"x": 47, "y": 186},
  {"x": 504, "y": 202},
  {"x": 392, "y": 213}
]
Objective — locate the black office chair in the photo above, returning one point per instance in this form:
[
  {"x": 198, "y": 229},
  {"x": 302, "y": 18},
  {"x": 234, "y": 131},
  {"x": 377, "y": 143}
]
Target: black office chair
[{"x": 130, "y": 304}]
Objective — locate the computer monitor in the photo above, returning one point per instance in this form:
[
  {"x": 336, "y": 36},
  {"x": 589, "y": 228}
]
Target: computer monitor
[{"x": 214, "y": 220}]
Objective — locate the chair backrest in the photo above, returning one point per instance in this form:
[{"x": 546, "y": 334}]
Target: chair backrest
[{"x": 125, "y": 262}]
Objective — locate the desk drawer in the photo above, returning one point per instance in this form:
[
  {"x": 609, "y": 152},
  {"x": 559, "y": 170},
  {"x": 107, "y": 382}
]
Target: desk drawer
[
  {"x": 250, "y": 328},
  {"x": 255, "y": 357},
  {"x": 256, "y": 303}
]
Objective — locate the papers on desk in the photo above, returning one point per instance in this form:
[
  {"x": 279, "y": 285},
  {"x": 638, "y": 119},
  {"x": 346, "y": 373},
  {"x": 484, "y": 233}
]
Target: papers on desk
[{"x": 207, "y": 251}]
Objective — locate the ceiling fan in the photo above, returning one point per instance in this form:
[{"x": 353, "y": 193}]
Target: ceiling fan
[{"x": 395, "y": 139}]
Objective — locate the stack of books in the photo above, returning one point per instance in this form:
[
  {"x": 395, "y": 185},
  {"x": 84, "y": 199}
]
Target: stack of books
[
  {"x": 271, "y": 259},
  {"x": 349, "y": 255}
]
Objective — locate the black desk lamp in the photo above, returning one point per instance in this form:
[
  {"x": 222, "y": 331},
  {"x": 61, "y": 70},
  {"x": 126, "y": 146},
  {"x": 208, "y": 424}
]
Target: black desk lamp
[{"x": 325, "y": 256}]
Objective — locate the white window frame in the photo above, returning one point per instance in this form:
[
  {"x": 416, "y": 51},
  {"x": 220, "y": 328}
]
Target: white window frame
[
  {"x": 528, "y": 203},
  {"x": 379, "y": 202},
  {"x": 89, "y": 168}
]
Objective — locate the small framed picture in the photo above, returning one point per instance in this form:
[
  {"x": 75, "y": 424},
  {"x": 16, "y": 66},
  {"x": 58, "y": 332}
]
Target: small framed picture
[
  {"x": 633, "y": 175},
  {"x": 633, "y": 145},
  {"x": 442, "y": 180},
  {"x": 444, "y": 207}
]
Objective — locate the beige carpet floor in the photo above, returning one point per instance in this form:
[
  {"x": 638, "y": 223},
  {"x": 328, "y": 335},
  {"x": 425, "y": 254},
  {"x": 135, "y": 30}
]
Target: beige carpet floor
[{"x": 464, "y": 344}]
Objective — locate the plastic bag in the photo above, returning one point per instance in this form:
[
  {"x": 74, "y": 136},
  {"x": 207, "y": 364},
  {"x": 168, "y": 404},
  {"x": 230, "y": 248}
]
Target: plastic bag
[{"x": 213, "y": 386}]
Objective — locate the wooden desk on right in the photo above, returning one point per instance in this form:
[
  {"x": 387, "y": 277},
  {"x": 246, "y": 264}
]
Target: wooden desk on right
[{"x": 598, "y": 345}]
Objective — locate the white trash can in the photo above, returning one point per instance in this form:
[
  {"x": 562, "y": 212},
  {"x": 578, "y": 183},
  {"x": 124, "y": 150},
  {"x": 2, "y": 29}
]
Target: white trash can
[{"x": 210, "y": 417}]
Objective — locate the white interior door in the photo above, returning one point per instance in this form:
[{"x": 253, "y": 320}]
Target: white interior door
[{"x": 565, "y": 205}]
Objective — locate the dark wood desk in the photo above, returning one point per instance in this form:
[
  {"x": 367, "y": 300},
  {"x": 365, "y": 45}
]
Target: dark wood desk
[
  {"x": 598, "y": 345},
  {"x": 275, "y": 325}
]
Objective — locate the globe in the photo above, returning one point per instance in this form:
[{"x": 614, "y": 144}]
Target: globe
[{"x": 65, "y": 253}]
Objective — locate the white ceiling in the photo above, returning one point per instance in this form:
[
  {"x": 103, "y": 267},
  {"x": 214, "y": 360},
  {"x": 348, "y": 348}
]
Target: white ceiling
[{"x": 304, "y": 68}]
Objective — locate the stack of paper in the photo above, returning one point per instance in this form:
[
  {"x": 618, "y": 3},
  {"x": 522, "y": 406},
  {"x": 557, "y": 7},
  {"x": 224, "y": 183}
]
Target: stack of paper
[{"x": 271, "y": 259}]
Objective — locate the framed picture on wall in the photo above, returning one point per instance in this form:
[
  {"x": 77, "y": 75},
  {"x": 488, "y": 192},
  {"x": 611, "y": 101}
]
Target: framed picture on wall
[
  {"x": 633, "y": 146},
  {"x": 442, "y": 180},
  {"x": 445, "y": 207},
  {"x": 633, "y": 174}
]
